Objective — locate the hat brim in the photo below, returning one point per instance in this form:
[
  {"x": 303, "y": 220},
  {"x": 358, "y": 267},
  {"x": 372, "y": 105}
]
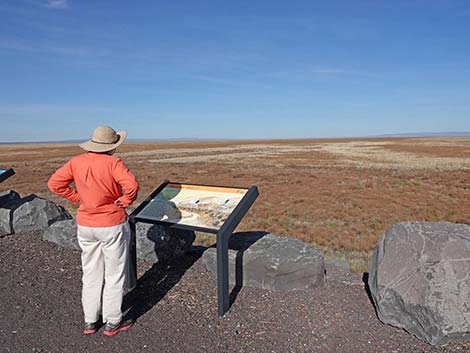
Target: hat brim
[{"x": 92, "y": 146}]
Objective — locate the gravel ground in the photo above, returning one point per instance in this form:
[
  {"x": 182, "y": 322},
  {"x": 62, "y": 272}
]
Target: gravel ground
[{"x": 176, "y": 306}]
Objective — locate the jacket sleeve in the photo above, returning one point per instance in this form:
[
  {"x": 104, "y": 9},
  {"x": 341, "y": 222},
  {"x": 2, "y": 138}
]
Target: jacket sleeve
[
  {"x": 128, "y": 183},
  {"x": 59, "y": 183}
]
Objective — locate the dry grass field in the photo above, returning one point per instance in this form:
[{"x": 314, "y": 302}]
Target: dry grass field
[{"x": 338, "y": 194}]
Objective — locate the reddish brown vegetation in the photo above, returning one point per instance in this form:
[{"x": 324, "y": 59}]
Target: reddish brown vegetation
[{"x": 305, "y": 191}]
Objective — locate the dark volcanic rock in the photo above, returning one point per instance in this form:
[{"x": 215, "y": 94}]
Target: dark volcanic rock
[
  {"x": 270, "y": 262},
  {"x": 419, "y": 278},
  {"x": 63, "y": 233},
  {"x": 9, "y": 200},
  {"x": 5, "y": 222},
  {"x": 35, "y": 213},
  {"x": 161, "y": 244}
]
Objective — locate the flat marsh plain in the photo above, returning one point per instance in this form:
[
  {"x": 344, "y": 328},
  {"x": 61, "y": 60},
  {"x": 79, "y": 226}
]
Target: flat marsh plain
[{"x": 339, "y": 195}]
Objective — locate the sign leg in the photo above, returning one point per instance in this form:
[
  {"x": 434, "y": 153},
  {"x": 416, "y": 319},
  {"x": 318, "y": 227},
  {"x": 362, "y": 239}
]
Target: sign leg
[{"x": 222, "y": 273}]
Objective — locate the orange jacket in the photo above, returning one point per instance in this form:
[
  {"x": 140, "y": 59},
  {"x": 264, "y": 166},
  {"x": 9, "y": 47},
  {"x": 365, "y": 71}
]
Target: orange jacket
[{"x": 100, "y": 179}]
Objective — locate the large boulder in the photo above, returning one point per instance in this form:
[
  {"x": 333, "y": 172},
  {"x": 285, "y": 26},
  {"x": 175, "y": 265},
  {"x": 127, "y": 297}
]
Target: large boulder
[
  {"x": 63, "y": 233},
  {"x": 270, "y": 262},
  {"x": 35, "y": 213},
  {"x": 9, "y": 200},
  {"x": 419, "y": 279},
  {"x": 157, "y": 243}
]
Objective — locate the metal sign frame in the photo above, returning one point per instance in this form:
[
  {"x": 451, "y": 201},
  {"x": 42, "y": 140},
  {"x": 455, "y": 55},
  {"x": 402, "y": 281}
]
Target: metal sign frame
[
  {"x": 223, "y": 235},
  {"x": 6, "y": 174}
]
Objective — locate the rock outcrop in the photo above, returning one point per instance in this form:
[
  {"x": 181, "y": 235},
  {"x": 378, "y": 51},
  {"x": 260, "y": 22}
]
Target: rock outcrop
[
  {"x": 161, "y": 244},
  {"x": 29, "y": 213},
  {"x": 9, "y": 200},
  {"x": 270, "y": 262},
  {"x": 35, "y": 213},
  {"x": 63, "y": 233},
  {"x": 419, "y": 279}
]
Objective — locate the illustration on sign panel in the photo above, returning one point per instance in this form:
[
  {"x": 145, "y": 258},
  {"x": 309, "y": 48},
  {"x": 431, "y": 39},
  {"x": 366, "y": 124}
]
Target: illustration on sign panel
[{"x": 193, "y": 205}]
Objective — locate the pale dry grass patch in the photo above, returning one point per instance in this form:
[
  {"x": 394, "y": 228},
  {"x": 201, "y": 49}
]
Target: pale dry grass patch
[
  {"x": 366, "y": 154},
  {"x": 221, "y": 154},
  {"x": 437, "y": 142}
]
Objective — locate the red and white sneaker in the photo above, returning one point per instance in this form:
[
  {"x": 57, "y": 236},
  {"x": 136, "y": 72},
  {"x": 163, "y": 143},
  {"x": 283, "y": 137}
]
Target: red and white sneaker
[
  {"x": 92, "y": 327},
  {"x": 114, "y": 329}
]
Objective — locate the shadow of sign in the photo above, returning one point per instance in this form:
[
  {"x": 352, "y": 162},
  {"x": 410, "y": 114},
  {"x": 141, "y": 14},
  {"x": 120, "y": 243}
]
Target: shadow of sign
[
  {"x": 168, "y": 243},
  {"x": 155, "y": 283},
  {"x": 174, "y": 259}
]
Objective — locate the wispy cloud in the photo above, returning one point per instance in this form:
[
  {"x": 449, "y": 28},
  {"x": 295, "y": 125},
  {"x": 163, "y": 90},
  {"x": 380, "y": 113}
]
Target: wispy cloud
[
  {"x": 57, "y": 4},
  {"x": 338, "y": 71},
  {"x": 320, "y": 72},
  {"x": 39, "y": 26},
  {"x": 49, "y": 111},
  {"x": 330, "y": 71},
  {"x": 6, "y": 110},
  {"x": 48, "y": 48},
  {"x": 225, "y": 81}
]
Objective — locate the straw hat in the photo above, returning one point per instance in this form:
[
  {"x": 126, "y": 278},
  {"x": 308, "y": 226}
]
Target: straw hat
[{"x": 104, "y": 139}]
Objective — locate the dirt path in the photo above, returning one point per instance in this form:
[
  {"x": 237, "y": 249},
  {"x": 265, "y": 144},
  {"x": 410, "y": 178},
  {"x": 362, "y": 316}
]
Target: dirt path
[{"x": 40, "y": 311}]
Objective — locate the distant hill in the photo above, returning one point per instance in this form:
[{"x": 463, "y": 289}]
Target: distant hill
[{"x": 427, "y": 134}]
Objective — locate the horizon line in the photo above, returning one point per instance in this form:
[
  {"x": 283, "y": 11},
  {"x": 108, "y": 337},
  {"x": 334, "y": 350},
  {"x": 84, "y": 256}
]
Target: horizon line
[{"x": 201, "y": 139}]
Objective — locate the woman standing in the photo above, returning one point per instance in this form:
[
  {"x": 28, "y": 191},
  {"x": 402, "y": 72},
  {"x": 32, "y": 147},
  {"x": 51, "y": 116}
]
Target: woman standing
[{"x": 104, "y": 188}]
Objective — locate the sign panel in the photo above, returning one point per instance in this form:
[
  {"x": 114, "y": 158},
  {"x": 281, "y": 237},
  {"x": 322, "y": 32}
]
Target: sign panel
[
  {"x": 212, "y": 209},
  {"x": 198, "y": 206},
  {"x": 6, "y": 173}
]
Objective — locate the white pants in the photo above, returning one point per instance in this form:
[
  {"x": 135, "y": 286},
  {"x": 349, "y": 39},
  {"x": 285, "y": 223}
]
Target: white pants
[{"x": 104, "y": 258}]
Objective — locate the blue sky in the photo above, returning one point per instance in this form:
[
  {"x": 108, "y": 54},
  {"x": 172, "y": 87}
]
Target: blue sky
[{"x": 233, "y": 69}]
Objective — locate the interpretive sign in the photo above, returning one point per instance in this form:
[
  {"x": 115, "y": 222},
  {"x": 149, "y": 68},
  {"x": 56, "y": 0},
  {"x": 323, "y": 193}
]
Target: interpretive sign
[
  {"x": 6, "y": 173},
  {"x": 205, "y": 208}
]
